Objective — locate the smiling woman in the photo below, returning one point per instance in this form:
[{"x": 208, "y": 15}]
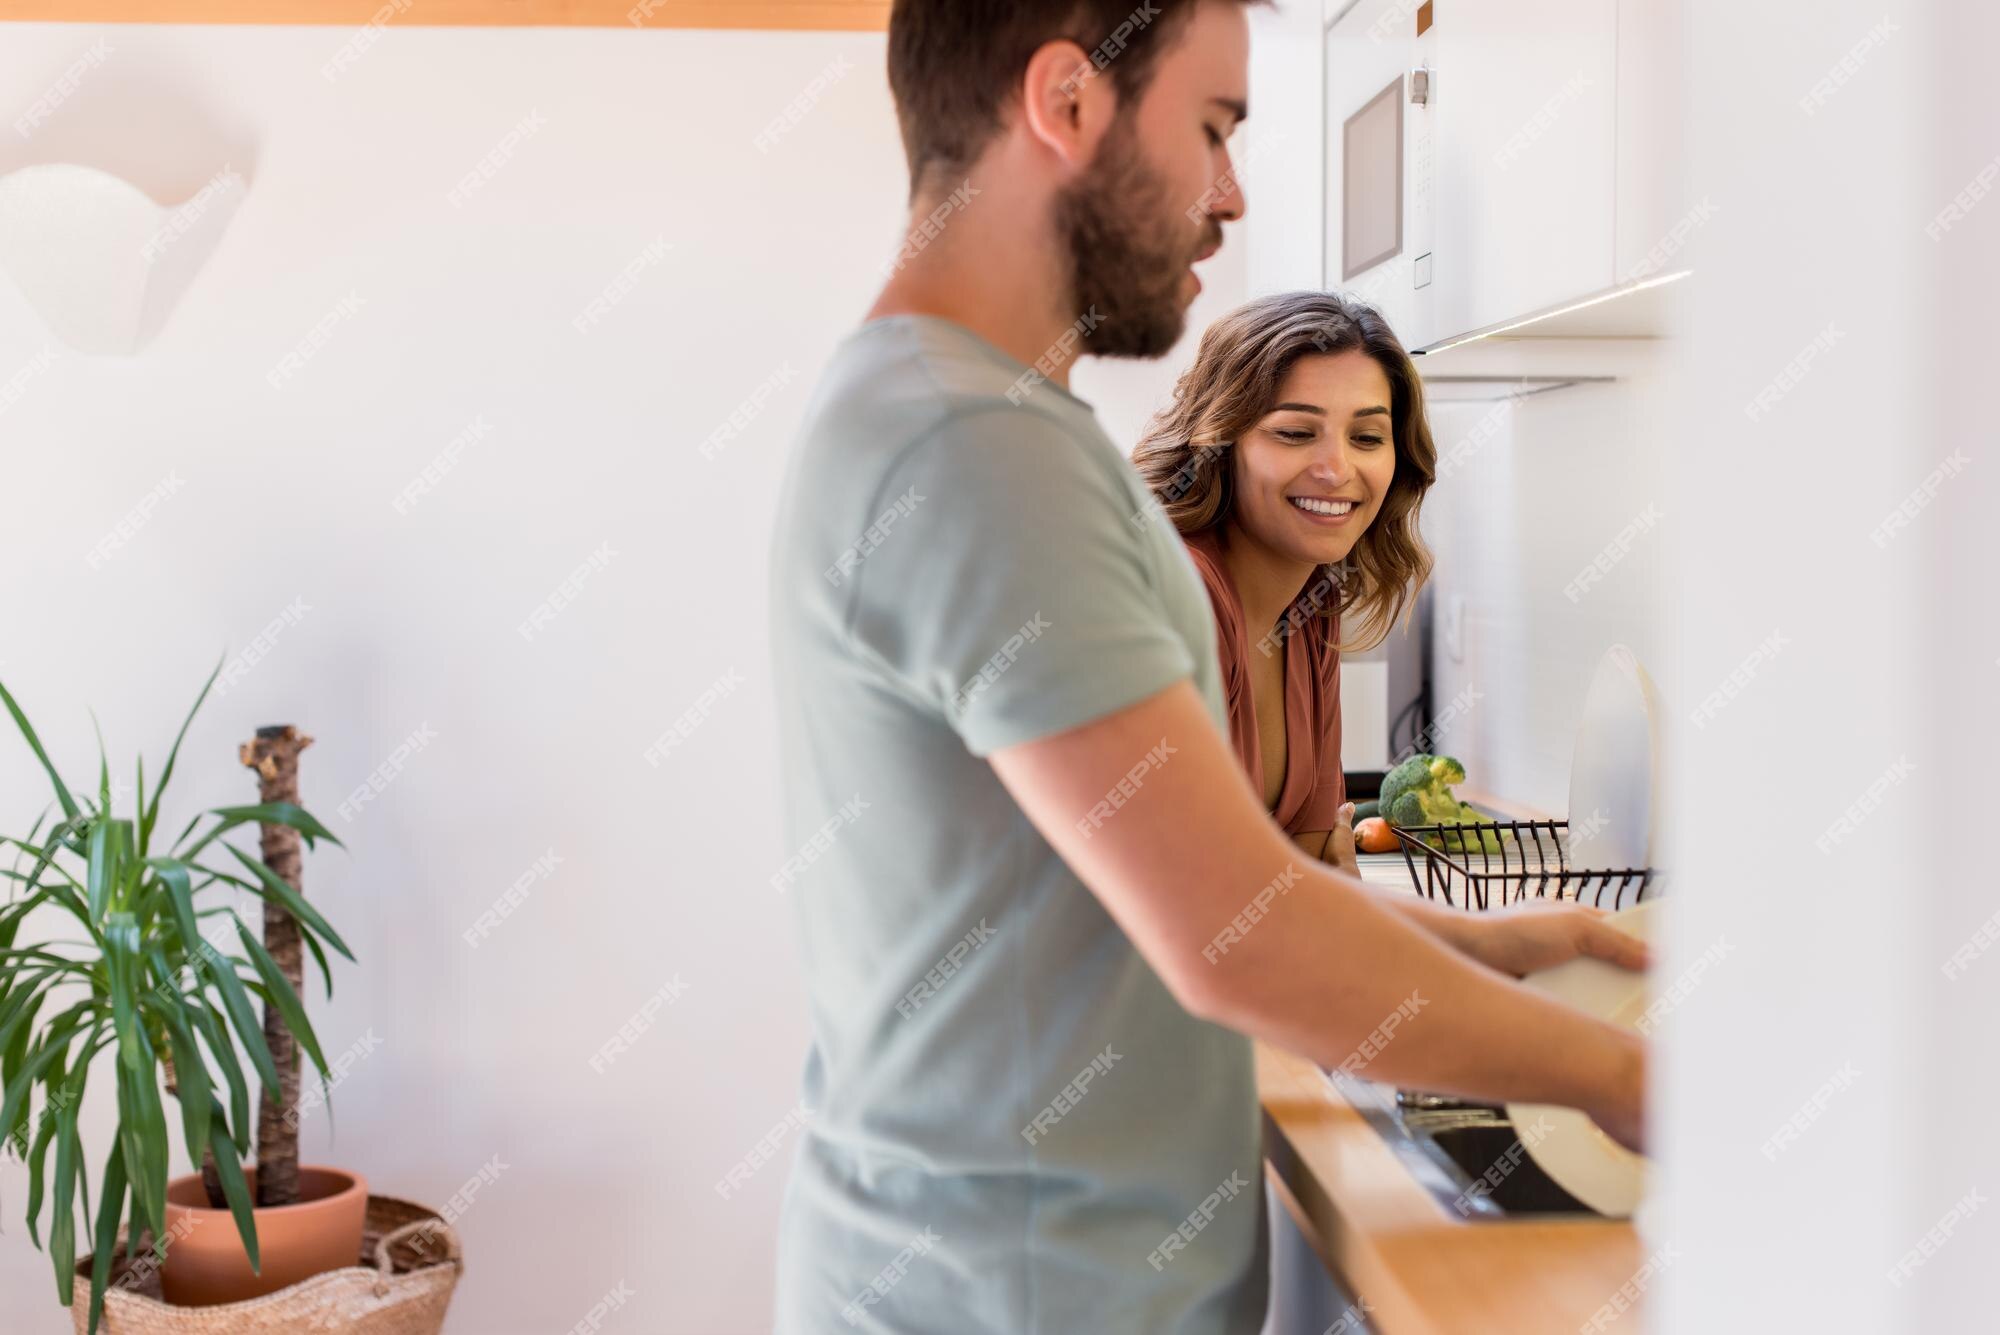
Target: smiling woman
[{"x": 1311, "y": 516}]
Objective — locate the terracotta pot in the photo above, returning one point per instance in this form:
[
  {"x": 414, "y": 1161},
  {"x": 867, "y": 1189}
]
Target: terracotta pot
[{"x": 206, "y": 1263}]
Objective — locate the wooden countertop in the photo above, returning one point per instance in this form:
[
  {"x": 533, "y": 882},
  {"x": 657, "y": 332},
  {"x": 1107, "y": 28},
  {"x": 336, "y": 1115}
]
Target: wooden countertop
[{"x": 1422, "y": 1269}]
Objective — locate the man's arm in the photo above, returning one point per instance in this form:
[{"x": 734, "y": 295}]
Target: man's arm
[{"x": 1179, "y": 850}]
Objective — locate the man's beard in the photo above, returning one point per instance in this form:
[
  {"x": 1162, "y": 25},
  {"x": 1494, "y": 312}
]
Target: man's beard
[{"x": 1126, "y": 251}]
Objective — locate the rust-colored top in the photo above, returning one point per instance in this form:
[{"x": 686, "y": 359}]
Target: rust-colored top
[{"x": 1314, "y": 787}]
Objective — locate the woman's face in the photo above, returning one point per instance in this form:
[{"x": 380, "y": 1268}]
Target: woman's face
[{"x": 1312, "y": 473}]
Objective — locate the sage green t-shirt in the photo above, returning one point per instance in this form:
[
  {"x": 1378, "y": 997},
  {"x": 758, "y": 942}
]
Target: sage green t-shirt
[{"x": 1015, "y": 1129}]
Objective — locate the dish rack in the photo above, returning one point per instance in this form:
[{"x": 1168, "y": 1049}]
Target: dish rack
[{"x": 1525, "y": 859}]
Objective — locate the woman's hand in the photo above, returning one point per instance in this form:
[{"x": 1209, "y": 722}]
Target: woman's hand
[
  {"x": 1340, "y": 844},
  {"x": 1528, "y": 937}
]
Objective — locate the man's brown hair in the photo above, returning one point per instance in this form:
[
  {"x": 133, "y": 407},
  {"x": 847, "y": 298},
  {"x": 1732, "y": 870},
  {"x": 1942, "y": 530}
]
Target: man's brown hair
[{"x": 955, "y": 65}]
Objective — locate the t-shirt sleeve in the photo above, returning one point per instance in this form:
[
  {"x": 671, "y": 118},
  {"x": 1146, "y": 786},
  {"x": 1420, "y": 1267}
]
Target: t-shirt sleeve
[{"x": 1013, "y": 592}]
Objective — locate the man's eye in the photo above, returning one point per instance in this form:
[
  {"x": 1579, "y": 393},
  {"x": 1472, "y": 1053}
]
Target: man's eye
[{"x": 1214, "y": 139}]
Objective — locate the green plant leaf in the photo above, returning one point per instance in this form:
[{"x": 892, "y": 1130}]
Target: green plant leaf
[
  {"x": 70, "y": 809},
  {"x": 279, "y": 989},
  {"x": 319, "y": 956},
  {"x": 190, "y": 1072},
  {"x": 151, "y": 813},
  {"x": 107, "y": 1232},
  {"x": 37, "y": 1161},
  {"x": 216, "y": 1034},
  {"x": 264, "y": 813},
  {"x": 62, "y": 1227},
  {"x": 274, "y": 887},
  {"x": 237, "y": 1002},
  {"x": 237, "y": 1192}
]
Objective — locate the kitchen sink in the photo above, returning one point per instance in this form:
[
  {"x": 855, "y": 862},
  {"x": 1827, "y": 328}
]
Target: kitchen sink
[{"x": 1468, "y": 1155}]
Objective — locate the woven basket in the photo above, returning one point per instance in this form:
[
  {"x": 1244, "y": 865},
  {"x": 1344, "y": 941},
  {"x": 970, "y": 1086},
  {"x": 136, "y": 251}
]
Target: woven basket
[{"x": 401, "y": 1284}]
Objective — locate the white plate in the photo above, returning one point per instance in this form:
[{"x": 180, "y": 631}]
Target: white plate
[
  {"x": 1614, "y": 774},
  {"x": 1563, "y": 1142}
]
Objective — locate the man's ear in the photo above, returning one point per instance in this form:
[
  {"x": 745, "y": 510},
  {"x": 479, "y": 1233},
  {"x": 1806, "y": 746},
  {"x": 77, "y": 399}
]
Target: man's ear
[{"x": 1066, "y": 103}]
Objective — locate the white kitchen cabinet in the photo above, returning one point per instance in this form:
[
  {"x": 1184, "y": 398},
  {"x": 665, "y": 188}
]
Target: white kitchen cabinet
[{"x": 1533, "y": 163}]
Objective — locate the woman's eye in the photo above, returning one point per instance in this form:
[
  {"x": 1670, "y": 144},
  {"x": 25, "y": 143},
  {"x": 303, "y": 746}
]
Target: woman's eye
[
  {"x": 1294, "y": 436},
  {"x": 1370, "y": 441}
]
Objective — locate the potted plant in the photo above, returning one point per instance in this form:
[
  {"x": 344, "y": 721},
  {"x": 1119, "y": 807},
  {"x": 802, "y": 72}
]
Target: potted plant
[{"x": 164, "y": 976}]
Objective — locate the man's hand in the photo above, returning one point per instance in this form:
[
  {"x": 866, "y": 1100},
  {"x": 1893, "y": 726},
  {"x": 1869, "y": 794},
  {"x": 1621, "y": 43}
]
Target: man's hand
[{"x": 1528, "y": 937}]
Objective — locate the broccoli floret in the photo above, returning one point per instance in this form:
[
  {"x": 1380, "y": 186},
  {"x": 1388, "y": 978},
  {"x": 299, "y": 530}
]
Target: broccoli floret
[
  {"x": 1412, "y": 773},
  {"x": 1418, "y": 792}
]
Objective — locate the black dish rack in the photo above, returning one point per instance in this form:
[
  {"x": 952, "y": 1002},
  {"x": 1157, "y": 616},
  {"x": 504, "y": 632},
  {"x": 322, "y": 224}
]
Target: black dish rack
[{"x": 1528, "y": 859}]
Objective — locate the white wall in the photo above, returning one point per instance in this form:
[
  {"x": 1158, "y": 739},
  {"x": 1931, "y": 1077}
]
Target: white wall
[
  {"x": 1550, "y": 530},
  {"x": 591, "y": 438}
]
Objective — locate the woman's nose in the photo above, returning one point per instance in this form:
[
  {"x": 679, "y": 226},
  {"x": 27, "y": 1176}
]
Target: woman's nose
[{"x": 1331, "y": 464}]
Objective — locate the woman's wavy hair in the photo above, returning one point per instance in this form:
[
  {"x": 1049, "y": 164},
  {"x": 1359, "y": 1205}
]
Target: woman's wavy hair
[{"x": 1234, "y": 381}]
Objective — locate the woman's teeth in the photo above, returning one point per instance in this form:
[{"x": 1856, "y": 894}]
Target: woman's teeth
[{"x": 1319, "y": 507}]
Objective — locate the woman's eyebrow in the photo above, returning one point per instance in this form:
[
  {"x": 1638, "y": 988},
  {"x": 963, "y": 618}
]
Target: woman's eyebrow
[
  {"x": 1300, "y": 408},
  {"x": 1370, "y": 412}
]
